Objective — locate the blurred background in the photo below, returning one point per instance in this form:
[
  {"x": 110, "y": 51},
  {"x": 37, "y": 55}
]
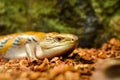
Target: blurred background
[{"x": 93, "y": 21}]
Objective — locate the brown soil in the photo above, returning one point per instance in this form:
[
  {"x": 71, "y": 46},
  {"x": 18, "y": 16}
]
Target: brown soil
[{"x": 79, "y": 65}]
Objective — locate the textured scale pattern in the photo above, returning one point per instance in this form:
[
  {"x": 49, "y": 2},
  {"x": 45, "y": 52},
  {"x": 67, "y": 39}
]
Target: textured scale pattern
[{"x": 19, "y": 39}]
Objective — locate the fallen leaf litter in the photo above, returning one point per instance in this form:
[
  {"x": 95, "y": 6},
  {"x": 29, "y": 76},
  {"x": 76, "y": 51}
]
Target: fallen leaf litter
[{"x": 82, "y": 64}]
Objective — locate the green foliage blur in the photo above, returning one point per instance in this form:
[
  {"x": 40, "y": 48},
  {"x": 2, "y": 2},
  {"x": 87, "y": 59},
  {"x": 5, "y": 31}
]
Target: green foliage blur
[
  {"x": 27, "y": 15},
  {"x": 93, "y": 21}
]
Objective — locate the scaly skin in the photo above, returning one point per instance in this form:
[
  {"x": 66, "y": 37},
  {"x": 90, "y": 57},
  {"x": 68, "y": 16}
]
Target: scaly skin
[{"x": 37, "y": 45}]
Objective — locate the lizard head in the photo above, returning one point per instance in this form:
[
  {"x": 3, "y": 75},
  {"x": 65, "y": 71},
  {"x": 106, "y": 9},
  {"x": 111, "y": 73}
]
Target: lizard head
[{"x": 56, "y": 44}]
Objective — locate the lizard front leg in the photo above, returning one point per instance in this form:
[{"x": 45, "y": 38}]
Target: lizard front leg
[
  {"x": 30, "y": 50},
  {"x": 33, "y": 49}
]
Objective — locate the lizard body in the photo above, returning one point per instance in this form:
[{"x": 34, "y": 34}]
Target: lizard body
[{"x": 36, "y": 45}]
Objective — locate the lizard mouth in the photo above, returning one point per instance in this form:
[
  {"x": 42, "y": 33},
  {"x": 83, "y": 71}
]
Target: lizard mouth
[{"x": 54, "y": 45}]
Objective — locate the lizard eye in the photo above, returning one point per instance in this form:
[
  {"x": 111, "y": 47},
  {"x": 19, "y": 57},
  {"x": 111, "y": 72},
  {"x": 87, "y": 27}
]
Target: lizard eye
[{"x": 59, "y": 39}]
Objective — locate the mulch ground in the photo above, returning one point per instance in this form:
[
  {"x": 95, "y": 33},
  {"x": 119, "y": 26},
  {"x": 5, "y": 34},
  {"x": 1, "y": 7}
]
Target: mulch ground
[{"x": 82, "y": 64}]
